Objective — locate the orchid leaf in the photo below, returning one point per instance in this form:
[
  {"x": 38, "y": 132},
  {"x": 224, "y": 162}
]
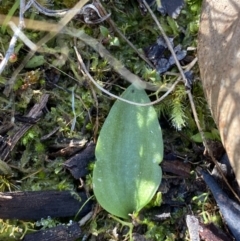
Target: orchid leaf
[{"x": 129, "y": 149}]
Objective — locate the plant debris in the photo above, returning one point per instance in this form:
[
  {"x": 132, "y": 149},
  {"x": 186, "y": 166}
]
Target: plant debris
[{"x": 159, "y": 54}]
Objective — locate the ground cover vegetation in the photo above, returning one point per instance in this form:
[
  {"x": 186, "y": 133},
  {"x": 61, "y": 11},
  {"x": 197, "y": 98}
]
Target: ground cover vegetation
[{"x": 76, "y": 111}]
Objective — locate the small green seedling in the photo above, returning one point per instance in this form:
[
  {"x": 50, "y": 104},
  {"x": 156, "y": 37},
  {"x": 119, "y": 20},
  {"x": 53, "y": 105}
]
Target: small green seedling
[{"x": 129, "y": 149}]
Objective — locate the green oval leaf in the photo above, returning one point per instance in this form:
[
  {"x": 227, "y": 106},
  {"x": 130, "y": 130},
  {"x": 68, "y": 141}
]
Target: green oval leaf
[
  {"x": 104, "y": 31},
  {"x": 129, "y": 149},
  {"x": 35, "y": 61}
]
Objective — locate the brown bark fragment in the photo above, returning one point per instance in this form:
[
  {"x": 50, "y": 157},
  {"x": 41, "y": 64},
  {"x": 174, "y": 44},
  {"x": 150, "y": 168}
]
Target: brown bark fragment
[{"x": 176, "y": 167}]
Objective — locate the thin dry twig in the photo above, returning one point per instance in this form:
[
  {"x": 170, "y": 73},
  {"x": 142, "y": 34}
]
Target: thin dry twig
[
  {"x": 94, "y": 95},
  {"x": 22, "y": 36}
]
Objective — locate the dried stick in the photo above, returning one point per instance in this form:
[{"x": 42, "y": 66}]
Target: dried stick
[{"x": 22, "y": 36}]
